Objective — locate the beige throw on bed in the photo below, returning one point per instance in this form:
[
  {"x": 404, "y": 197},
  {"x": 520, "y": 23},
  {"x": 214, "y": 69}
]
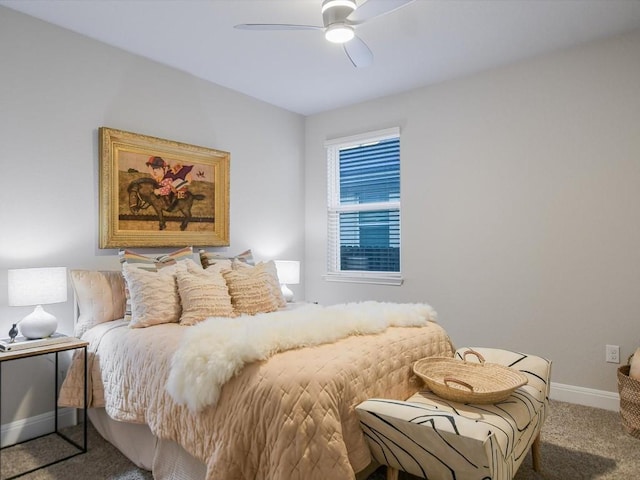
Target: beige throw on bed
[{"x": 289, "y": 417}]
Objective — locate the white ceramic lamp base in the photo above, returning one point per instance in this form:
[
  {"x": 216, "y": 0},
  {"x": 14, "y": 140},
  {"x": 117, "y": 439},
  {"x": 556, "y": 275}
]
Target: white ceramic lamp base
[
  {"x": 38, "y": 324},
  {"x": 287, "y": 293}
]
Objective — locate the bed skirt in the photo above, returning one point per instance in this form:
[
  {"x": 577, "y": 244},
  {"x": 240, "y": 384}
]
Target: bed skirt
[{"x": 165, "y": 458}]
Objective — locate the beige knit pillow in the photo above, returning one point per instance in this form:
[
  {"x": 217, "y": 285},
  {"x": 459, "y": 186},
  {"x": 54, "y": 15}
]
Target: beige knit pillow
[
  {"x": 154, "y": 295},
  {"x": 152, "y": 264},
  {"x": 250, "y": 291},
  {"x": 274, "y": 283},
  {"x": 203, "y": 295}
]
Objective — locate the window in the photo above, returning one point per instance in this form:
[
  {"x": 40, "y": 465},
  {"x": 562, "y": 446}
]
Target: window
[{"x": 364, "y": 208}]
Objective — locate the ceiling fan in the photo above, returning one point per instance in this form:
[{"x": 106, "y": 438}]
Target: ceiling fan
[{"x": 340, "y": 17}]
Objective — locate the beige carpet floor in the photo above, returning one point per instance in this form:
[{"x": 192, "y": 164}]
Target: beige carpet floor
[{"x": 578, "y": 443}]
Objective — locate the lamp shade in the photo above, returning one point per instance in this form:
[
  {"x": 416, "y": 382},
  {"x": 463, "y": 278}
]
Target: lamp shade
[
  {"x": 288, "y": 271},
  {"x": 37, "y": 286}
]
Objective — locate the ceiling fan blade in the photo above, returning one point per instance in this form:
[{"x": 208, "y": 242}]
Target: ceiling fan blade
[
  {"x": 275, "y": 26},
  {"x": 358, "y": 52},
  {"x": 375, "y": 8}
]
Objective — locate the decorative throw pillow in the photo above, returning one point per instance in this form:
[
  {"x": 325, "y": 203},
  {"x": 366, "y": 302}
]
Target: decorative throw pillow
[
  {"x": 100, "y": 297},
  {"x": 634, "y": 371},
  {"x": 155, "y": 262},
  {"x": 274, "y": 283},
  {"x": 219, "y": 266},
  {"x": 207, "y": 259},
  {"x": 203, "y": 295},
  {"x": 216, "y": 270},
  {"x": 152, "y": 264},
  {"x": 154, "y": 295},
  {"x": 250, "y": 291}
]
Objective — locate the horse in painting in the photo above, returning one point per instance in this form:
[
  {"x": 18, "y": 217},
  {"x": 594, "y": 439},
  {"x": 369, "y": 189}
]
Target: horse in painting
[{"x": 141, "y": 197}]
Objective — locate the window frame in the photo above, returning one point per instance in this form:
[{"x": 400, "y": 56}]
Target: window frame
[{"x": 334, "y": 207}]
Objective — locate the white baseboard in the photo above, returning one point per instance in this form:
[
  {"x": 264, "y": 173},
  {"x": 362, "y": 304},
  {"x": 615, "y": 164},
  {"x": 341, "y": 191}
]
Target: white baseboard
[
  {"x": 585, "y": 396},
  {"x": 32, "y": 427}
]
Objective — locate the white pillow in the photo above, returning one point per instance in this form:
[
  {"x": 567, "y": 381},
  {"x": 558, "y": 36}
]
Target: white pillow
[
  {"x": 154, "y": 295},
  {"x": 203, "y": 295}
]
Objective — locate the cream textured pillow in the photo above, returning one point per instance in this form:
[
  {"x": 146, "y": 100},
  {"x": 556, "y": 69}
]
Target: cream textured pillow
[
  {"x": 250, "y": 291},
  {"x": 152, "y": 264},
  {"x": 154, "y": 295},
  {"x": 203, "y": 295},
  {"x": 634, "y": 371},
  {"x": 274, "y": 283},
  {"x": 100, "y": 297}
]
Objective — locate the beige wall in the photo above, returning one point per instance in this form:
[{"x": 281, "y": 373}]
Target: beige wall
[
  {"x": 521, "y": 201},
  {"x": 56, "y": 89}
]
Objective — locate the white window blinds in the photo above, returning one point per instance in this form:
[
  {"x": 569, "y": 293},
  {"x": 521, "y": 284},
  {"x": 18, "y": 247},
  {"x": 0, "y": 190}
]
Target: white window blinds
[{"x": 364, "y": 207}]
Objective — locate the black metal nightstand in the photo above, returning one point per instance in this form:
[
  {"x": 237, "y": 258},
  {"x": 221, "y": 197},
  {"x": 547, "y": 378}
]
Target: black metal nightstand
[{"x": 71, "y": 344}]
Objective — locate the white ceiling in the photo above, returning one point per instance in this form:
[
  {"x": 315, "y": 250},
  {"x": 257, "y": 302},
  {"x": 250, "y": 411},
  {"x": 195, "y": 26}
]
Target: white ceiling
[{"x": 423, "y": 43}]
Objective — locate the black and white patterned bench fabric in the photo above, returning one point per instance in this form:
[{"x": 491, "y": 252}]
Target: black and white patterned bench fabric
[{"x": 434, "y": 438}]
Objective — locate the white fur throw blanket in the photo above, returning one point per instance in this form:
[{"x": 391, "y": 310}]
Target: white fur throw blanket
[{"x": 215, "y": 350}]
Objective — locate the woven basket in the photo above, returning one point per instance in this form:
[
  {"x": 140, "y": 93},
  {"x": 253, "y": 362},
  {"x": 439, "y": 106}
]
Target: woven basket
[
  {"x": 466, "y": 382},
  {"x": 629, "y": 389}
]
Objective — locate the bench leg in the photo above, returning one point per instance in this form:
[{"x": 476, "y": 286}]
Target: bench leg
[
  {"x": 392, "y": 473},
  {"x": 535, "y": 453}
]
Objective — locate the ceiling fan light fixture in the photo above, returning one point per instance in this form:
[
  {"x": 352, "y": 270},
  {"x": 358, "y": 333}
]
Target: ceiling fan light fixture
[
  {"x": 339, "y": 33},
  {"x": 327, "y": 4},
  {"x": 334, "y": 19}
]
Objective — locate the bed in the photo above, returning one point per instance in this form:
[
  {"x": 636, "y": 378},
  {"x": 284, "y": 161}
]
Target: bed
[{"x": 280, "y": 413}]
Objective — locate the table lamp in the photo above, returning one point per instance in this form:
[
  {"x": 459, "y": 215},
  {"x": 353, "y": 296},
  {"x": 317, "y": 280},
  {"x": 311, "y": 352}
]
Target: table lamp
[
  {"x": 288, "y": 273},
  {"x": 37, "y": 286}
]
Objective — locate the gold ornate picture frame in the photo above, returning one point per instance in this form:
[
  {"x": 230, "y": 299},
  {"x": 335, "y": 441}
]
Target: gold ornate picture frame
[{"x": 160, "y": 193}]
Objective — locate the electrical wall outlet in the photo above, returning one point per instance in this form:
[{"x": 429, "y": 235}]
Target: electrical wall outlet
[{"x": 612, "y": 354}]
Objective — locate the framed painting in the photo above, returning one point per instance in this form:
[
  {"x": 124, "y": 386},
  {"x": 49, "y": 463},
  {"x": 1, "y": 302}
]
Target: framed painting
[{"x": 160, "y": 193}]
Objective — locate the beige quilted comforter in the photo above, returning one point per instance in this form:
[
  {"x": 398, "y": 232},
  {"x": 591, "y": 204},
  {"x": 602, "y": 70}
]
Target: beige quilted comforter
[{"x": 289, "y": 417}]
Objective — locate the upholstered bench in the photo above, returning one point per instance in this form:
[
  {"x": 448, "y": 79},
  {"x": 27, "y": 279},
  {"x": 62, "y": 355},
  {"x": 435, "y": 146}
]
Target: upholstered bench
[{"x": 434, "y": 438}]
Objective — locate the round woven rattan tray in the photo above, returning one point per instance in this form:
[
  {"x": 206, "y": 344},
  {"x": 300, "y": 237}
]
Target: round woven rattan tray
[{"x": 467, "y": 382}]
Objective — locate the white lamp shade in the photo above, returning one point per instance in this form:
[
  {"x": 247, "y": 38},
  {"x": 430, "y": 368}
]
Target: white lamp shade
[
  {"x": 37, "y": 286},
  {"x": 288, "y": 271}
]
